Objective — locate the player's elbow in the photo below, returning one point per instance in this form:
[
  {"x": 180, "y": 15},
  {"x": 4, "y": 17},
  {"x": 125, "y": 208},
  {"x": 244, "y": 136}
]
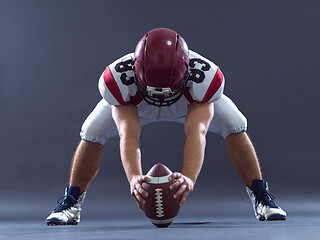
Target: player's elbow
[
  {"x": 126, "y": 133},
  {"x": 198, "y": 119},
  {"x": 200, "y": 129},
  {"x": 129, "y": 129},
  {"x": 129, "y": 141}
]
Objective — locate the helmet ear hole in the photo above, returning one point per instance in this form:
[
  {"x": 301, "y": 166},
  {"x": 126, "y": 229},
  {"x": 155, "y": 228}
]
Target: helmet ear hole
[
  {"x": 144, "y": 76},
  {"x": 177, "y": 42},
  {"x": 173, "y": 74},
  {"x": 145, "y": 39}
]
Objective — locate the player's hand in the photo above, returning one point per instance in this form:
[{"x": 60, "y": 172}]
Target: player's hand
[
  {"x": 137, "y": 191},
  {"x": 183, "y": 186}
]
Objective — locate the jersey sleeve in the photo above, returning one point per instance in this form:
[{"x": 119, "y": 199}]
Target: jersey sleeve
[
  {"x": 206, "y": 80},
  {"x": 116, "y": 84}
]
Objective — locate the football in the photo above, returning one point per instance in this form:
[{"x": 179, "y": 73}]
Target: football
[{"x": 161, "y": 207}]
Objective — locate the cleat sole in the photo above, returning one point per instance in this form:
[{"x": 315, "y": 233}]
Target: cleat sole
[
  {"x": 276, "y": 218},
  {"x": 61, "y": 224},
  {"x": 72, "y": 223},
  {"x": 56, "y": 222}
]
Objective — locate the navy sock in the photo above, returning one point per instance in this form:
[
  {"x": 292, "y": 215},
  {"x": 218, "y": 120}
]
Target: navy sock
[
  {"x": 261, "y": 193},
  {"x": 258, "y": 185},
  {"x": 74, "y": 192},
  {"x": 68, "y": 201}
]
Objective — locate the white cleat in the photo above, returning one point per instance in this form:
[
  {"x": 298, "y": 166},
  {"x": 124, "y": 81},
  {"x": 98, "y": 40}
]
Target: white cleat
[
  {"x": 68, "y": 212},
  {"x": 264, "y": 207}
]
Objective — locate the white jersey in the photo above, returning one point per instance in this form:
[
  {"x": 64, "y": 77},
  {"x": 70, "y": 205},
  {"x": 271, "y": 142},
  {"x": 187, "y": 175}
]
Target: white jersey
[{"x": 205, "y": 84}]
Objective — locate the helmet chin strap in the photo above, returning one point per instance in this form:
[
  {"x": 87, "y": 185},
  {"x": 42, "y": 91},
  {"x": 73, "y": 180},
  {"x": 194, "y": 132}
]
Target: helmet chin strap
[{"x": 152, "y": 91}]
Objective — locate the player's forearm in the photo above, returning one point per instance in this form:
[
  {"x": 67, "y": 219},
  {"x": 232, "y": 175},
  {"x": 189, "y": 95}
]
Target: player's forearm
[
  {"x": 130, "y": 155},
  {"x": 129, "y": 128},
  {"x": 194, "y": 154}
]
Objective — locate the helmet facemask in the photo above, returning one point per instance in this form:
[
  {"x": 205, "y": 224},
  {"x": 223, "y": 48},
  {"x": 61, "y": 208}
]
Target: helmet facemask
[{"x": 161, "y": 97}]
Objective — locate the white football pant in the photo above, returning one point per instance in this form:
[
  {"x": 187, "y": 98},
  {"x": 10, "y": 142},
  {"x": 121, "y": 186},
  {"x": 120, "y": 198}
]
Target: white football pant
[{"x": 100, "y": 126}]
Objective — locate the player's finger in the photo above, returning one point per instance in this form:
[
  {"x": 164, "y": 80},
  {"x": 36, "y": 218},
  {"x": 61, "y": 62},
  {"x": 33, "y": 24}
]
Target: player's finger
[
  {"x": 174, "y": 176},
  {"x": 138, "y": 203},
  {"x": 180, "y": 191},
  {"x": 139, "y": 206},
  {"x": 139, "y": 197},
  {"x": 141, "y": 190},
  {"x": 174, "y": 185},
  {"x": 143, "y": 178},
  {"x": 146, "y": 179},
  {"x": 177, "y": 183},
  {"x": 138, "y": 186},
  {"x": 184, "y": 197}
]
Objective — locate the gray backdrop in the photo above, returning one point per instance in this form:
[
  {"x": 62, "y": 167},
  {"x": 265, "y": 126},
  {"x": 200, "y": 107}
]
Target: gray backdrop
[{"x": 53, "y": 52}]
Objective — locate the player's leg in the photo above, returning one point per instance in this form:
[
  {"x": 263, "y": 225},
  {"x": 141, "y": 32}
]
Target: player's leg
[
  {"x": 239, "y": 148},
  {"x": 230, "y": 123},
  {"x": 243, "y": 157},
  {"x": 85, "y": 164},
  {"x": 98, "y": 127}
]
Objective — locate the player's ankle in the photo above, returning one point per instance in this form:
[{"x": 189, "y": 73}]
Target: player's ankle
[{"x": 74, "y": 192}]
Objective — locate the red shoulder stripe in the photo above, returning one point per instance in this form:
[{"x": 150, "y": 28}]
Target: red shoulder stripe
[
  {"x": 112, "y": 86},
  {"x": 187, "y": 94},
  {"x": 214, "y": 86},
  {"x": 135, "y": 100}
]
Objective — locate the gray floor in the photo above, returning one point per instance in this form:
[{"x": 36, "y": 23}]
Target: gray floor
[
  {"x": 212, "y": 219},
  {"x": 296, "y": 227}
]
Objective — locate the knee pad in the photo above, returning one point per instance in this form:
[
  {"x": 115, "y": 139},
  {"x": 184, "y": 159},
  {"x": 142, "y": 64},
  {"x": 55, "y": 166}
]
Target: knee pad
[
  {"x": 227, "y": 118},
  {"x": 99, "y": 125}
]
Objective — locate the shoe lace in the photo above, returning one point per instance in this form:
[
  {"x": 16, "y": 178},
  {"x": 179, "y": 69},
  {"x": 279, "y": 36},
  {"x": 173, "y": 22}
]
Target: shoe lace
[
  {"x": 266, "y": 198},
  {"x": 65, "y": 202}
]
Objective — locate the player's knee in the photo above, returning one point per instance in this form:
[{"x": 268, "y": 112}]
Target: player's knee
[
  {"x": 91, "y": 133},
  {"x": 235, "y": 135},
  {"x": 235, "y": 125}
]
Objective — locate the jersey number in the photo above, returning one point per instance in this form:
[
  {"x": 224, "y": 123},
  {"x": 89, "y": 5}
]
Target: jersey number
[
  {"x": 124, "y": 68},
  {"x": 198, "y": 75}
]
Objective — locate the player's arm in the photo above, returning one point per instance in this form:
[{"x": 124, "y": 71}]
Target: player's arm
[
  {"x": 129, "y": 128},
  {"x": 196, "y": 125}
]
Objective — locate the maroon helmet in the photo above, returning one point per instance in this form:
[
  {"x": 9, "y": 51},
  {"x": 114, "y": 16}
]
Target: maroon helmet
[{"x": 161, "y": 66}]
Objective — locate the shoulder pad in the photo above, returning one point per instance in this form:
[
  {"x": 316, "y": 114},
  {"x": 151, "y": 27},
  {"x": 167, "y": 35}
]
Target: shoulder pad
[
  {"x": 116, "y": 83},
  {"x": 206, "y": 81}
]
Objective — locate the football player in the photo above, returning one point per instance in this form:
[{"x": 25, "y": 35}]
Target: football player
[{"x": 163, "y": 81}]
